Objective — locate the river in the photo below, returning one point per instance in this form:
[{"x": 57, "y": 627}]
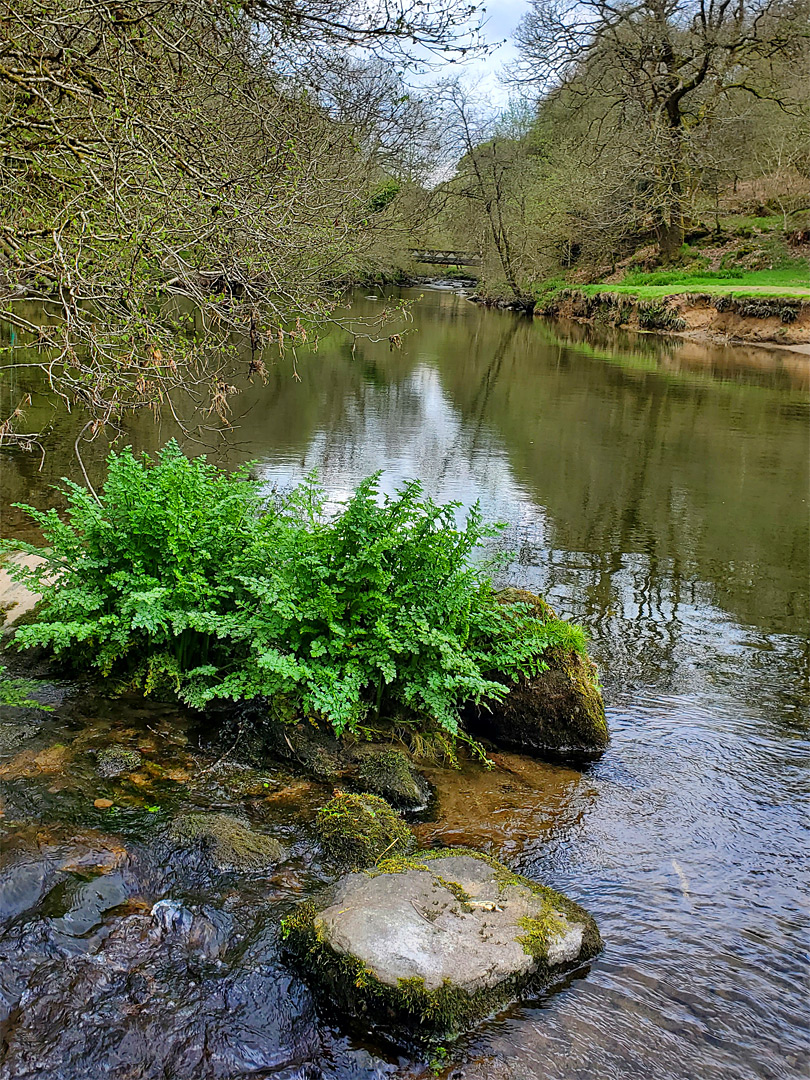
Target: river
[{"x": 654, "y": 490}]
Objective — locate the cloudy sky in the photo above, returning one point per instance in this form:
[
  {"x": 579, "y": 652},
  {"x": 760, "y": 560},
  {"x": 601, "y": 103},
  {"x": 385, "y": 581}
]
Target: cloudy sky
[
  {"x": 500, "y": 21},
  {"x": 502, "y": 17}
]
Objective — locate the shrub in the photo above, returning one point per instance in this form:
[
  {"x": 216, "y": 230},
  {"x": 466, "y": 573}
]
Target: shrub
[
  {"x": 182, "y": 576},
  {"x": 140, "y": 575}
]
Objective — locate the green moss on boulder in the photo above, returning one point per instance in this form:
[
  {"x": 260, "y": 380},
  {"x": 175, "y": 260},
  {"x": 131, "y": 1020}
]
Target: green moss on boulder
[
  {"x": 357, "y": 830},
  {"x": 427, "y": 945},
  {"x": 391, "y": 775},
  {"x": 557, "y": 713},
  {"x": 230, "y": 840}
]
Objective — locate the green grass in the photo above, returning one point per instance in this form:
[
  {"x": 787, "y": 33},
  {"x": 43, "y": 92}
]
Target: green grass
[
  {"x": 652, "y": 292},
  {"x": 735, "y": 222},
  {"x": 789, "y": 279}
]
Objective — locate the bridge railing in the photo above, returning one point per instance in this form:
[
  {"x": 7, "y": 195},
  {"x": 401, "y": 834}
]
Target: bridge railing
[{"x": 445, "y": 256}]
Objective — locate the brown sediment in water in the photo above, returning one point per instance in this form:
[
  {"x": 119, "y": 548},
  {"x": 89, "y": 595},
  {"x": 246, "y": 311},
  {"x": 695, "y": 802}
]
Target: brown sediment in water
[{"x": 504, "y": 808}]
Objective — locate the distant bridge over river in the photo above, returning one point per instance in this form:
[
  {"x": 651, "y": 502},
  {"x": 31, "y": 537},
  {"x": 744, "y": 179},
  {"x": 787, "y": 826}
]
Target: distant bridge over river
[{"x": 445, "y": 257}]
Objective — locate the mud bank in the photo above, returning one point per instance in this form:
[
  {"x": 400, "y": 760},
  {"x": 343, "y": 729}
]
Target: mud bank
[{"x": 781, "y": 321}]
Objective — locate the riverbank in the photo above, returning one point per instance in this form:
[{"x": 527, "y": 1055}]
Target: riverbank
[{"x": 726, "y": 319}]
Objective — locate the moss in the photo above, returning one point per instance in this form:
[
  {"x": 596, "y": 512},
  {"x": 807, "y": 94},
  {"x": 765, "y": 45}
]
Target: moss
[
  {"x": 410, "y": 1009},
  {"x": 357, "y": 830},
  {"x": 399, "y": 864},
  {"x": 113, "y": 760},
  {"x": 389, "y": 773},
  {"x": 233, "y": 844},
  {"x": 457, "y": 891},
  {"x": 541, "y": 931},
  {"x": 536, "y": 604}
]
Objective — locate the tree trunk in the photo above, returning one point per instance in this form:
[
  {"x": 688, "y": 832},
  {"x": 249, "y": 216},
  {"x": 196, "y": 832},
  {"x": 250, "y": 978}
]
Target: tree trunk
[
  {"x": 670, "y": 230},
  {"x": 670, "y": 237}
]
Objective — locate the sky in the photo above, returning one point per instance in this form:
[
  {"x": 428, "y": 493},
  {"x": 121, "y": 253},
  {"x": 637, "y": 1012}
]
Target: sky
[
  {"x": 502, "y": 17},
  {"x": 500, "y": 21}
]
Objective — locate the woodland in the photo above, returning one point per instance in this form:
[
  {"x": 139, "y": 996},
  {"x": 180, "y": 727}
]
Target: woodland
[{"x": 188, "y": 186}]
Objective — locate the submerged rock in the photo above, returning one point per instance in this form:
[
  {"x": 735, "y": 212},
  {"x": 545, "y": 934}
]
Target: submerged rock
[
  {"x": 312, "y": 748},
  {"x": 114, "y": 760},
  {"x": 357, "y": 830},
  {"x": 430, "y": 944},
  {"x": 229, "y": 840},
  {"x": 35, "y": 861},
  {"x": 14, "y": 733},
  {"x": 192, "y": 995},
  {"x": 558, "y": 713},
  {"x": 390, "y": 774}
]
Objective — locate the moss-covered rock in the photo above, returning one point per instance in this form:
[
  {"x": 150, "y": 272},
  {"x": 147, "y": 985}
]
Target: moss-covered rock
[
  {"x": 114, "y": 760},
  {"x": 391, "y": 775},
  {"x": 357, "y": 830},
  {"x": 539, "y": 607},
  {"x": 230, "y": 841},
  {"x": 558, "y": 713},
  {"x": 310, "y": 747},
  {"x": 427, "y": 945}
]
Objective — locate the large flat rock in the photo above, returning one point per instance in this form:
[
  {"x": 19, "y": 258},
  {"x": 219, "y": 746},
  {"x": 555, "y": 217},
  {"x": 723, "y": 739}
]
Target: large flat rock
[
  {"x": 439, "y": 939},
  {"x": 413, "y": 925}
]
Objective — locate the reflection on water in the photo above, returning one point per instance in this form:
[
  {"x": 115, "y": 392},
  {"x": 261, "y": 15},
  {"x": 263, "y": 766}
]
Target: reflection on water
[{"x": 657, "y": 491}]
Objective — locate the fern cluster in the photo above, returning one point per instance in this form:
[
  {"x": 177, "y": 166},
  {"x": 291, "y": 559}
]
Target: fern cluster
[{"x": 179, "y": 573}]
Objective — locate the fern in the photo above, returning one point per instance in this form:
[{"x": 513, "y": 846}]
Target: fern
[{"x": 184, "y": 577}]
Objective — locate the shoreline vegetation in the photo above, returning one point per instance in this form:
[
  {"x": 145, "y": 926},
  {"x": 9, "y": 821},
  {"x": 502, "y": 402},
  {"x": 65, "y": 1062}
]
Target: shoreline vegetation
[
  {"x": 181, "y": 580},
  {"x": 715, "y": 313},
  {"x": 772, "y": 321}
]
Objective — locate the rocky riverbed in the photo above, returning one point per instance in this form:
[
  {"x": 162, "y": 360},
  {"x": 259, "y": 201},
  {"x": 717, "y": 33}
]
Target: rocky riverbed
[{"x": 148, "y": 870}]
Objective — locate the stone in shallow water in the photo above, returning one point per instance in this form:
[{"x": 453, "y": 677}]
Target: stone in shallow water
[
  {"x": 435, "y": 942},
  {"x": 558, "y": 713},
  {"x": 114, "y": 760},
  {"x": 357, "y": 830},
  {"x": 231, "y": 842},
  {"x": 391, "y": 775}
]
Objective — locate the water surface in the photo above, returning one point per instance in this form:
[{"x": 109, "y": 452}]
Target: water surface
[{"x": 656, "y": 491}]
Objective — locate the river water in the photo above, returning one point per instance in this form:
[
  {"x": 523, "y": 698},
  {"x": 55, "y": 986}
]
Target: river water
[{"x": 657, "y": 492}]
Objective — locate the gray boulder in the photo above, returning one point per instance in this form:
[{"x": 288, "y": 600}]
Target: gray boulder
[{"x": 430, "y": 944}]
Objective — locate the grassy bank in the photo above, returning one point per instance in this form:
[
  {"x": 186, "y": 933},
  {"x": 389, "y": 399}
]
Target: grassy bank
[{"x": 792, "y": 279}]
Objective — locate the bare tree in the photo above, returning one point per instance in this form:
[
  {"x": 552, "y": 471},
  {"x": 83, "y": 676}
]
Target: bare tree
[
  {"x": 663, "y": 65},
  {"x": 171, "y": 191},
  {"x": 490, "y": 177}
]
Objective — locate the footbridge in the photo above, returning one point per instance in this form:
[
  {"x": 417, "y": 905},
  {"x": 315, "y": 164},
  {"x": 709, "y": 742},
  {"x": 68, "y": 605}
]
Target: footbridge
[{"x": 445, "y": 257}]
